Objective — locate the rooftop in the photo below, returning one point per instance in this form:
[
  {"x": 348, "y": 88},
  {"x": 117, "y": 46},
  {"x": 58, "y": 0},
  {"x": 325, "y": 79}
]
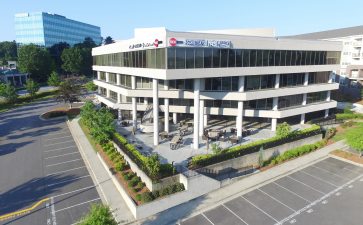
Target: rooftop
[{"x": 328, "y": 34}]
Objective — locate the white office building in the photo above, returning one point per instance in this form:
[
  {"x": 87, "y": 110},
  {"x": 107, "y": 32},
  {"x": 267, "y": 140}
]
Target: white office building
[
  {"x": 351, "y": 65},
  {"x": 167, "y": 75}
]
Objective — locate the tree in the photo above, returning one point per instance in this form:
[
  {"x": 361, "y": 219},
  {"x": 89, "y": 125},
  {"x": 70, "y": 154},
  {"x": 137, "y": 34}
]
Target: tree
[
  {"x": 8, "y": 92},
  {"x": 54, "y": 79},
  {"x": 88, "y": 113},
  {"x": 36, "y": 61},
  {"x": 56, "y": 51},
  {"x": 108, "y": 40},
  {"x": 68, "y": 91},
  {"x": 8, "y": 51},
  {"x": 153, "y": 165},
  {"x": 90, "y": 86},
  {"x": 283, "y": 129},
  {"x": 32, "y": 87},
  {"x": 72, "y": 60},
  {"x": 103, "y": 125},
  {"x": 87, "y": 43},
  {"x": 98, "y": 215}
]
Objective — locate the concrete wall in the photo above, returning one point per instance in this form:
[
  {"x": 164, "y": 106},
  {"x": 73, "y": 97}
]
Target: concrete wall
[{"x": 252, "y": 159}]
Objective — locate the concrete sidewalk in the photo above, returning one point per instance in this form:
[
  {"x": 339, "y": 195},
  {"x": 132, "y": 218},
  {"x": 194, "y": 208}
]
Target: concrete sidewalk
[
  {"x": 237, "y": 188},
  {"x": 105, "y": 187}
]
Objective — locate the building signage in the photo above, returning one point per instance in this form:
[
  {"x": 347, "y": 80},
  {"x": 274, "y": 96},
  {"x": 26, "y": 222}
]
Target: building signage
[
  {"x": 200, "y": 43},
  {"x": 155, "y": 43}
]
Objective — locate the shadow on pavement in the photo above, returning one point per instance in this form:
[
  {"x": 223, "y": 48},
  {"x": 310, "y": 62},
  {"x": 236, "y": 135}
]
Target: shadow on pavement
[{"x": 11, "y": 147}]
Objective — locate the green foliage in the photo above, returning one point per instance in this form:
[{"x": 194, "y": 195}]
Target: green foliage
[
  {"x": 153, "y": 165},
  {"x": 54, "y": 79},
  {"x": 347, "y": 110},
  {"x": 216, "y": 149},
  {"x": 240, "y": 150},
  {"x": 98, "y": 215},
  {"x": 330, "y": 133},
  {"x": 108, "y": 40},
  {"x": 138, "y": 197},
  {"x": 72, "y": 60},
  {"x": 347, "y": 124},
  {"x": 170, "y": 189},
  {"x": 68, "y": 91},
  {"x": 348, "y": 116},
  {"x": 90, "y": 86},
  {"x": 32, "y": 87},
  {"x": 260, "y": 157},
  {"x": 354, "y": 138},
  {"x": 147, "y": 197},
  {"x": 283, "y": 129},
  {"x": 56, "y": 51},
  {"x": 8, "y": 92},
  {"x": 36, "y": 61},
  {"x": 8, "y": 52}
]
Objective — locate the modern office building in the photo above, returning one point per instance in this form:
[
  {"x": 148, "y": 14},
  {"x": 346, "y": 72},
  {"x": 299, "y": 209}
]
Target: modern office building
[
  {"x": 201, "y": 75},
  {"x": 351, "y": 65},
  {"x": 46, "y": 29}
]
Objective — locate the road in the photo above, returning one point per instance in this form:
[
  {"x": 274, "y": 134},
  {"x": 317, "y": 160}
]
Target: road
[{"x": 38, "y": 160}]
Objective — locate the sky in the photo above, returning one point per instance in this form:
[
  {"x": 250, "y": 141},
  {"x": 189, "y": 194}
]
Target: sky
[{"x": 118, "y": 18}]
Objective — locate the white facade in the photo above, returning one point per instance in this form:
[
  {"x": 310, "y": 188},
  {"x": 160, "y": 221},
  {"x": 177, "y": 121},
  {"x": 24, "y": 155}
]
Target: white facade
[{"x": 206, "y": 74}]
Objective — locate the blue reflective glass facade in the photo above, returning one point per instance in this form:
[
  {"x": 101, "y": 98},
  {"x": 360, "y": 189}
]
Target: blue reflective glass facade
[{"x": 47, "y": 29}]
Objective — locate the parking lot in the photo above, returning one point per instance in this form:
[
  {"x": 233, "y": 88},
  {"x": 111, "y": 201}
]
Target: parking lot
[
  {"x": 327, "y": 192},
  {"x": 71, "y": 187}
]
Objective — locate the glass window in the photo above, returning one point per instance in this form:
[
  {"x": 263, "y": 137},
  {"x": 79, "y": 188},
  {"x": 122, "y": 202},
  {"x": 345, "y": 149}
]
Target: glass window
[
  {"x": 180, "y": 58},
  {"x": 150, "y": 58},
  {"x": 171, "y": 58},
  {"x": 189, "y": 58},
  {"x": 259, "y": 57},
  {"x": 160, "y": 58},
  {"x": 224, "y": 57},
  {"x": 208, "y": 84},
  {"x": 246, "y": 58},
  {"x": 316, "y": 97},
  {"x": 216, "y": 58},
  {"x": 216, "y": 84},
  {"x": 271, "y": 58},
  {"x": 232, "y": 58},
  {"x": 290, "y": 101},
  {"x": 226, "y": 84},
  {"x": 252, "y": 83},
  {"x": 253, "y": 58},
  {"x": 265, "y": 57},
  {"x": 199, "y": 58},
  {"x": 235, "y": 83},
  {"x": 239, "y": 55},
  {"x": 208, "y": 58}
]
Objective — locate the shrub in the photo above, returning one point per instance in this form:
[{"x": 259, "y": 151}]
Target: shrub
[
  {"x": 147, "y": 197},
  {"x": 141, "y": 185},
  {"x": 156, "y": 194},
  {"x": 138, "y": 197},
  {"x": 136, "y": 179},
  {"x": 133, "y": 182},
  {"x": 98, "y": 214},
  {"x": 135, "y": 190},
  {"x": 348, "y": 124},
  {"x": 127, "y": 176},
  {"x": 330, "y": 133},
  {"x": 120, "y": 166},
  {"x": 283, "y": 129},
  {"x": 164, "y": 191},
  {"x": 179, "y": 187}
]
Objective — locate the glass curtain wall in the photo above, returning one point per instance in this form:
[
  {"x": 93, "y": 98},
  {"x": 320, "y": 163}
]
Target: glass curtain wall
[{"x": 290, "y": 101}]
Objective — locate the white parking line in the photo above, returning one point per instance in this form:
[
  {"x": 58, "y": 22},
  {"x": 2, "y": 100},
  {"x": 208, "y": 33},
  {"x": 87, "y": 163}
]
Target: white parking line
[
  {"x": 234, "y": 214},
  {"x": 65, "y": 171},
  {"x": 331, "y": 164},
  {"x": 318, "y": 178},
  {"x": 277, "y": 200},
  {"x": 57, "y": 138},
  {"x": 58, "y": 143},
  {"x": 51, "y": 157},
  {"x": 60, "y": 210},
  {"x": 56, "y": 133},
  {"x": 207, "y": 219},
  {"x": 61, "y": 182},
  {"x": 322, "y": 169},
  {"x": 259, "y": 208},
  {"x": 53, "y": 150},
  {"x": 305, "y": 184},
  {"x": 317, "y": 201},
  {"x": 63, "y": 162},
  {"x": 291, "y": 192},
  {"x": 78, "y": 190}
]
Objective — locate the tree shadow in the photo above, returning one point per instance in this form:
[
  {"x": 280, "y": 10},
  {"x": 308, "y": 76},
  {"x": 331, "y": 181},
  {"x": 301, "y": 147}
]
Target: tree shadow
[
  {"x": 33, "y": 133},
  {"x": 11, "y": 147}
]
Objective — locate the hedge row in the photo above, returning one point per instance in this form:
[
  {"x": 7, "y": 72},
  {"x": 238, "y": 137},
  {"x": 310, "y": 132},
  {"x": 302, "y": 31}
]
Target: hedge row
[
  {"x": 241, "y": 150},
  {"x": 296, "y": 152},
  {"x": 171, "y": 189},
  {"x": 143, "y": 162},
  {"x": 348, "y": 116}
]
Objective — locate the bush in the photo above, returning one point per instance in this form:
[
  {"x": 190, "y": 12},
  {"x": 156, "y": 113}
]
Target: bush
[
  {"x": 99, "y": 214},
  {"x": 348, "y": 116},
  {"x": 133, "y": 182},
  {"x": 348, "y": 124},
  {"x": 164, "y": 191},
  {"x": 241, "y": 150},
  {"x": 330, "y": 133},
  {"x": 136, "y": 179},
  {"x": 156, "y": 194},
  {"x": 141, "y": 185},
  {"x": 120, "y": 166},
  {"x": 147, "y": 197},
  {"x": 138, "y": 197},
  {"x": 127, "y": 176},
  {"x": 283, "y": 129}
]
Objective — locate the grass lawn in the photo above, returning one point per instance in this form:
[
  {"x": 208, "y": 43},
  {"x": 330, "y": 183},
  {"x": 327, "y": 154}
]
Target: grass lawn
[
  {"x": 25, "y": 99},
  {"x": 342, "y": 132}
]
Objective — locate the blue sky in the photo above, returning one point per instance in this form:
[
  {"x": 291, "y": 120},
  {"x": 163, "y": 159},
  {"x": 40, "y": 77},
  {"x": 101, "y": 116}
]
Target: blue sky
[{"x": 118, "y": 18}]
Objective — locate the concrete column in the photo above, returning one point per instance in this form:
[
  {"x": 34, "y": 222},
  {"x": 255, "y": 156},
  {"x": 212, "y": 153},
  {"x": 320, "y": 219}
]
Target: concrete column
[
  {"x": 273, "y": 124},
  {"x": 119, "y": 115},
  {"x": 277, "y": 81},
  {"x": 98, "y": 75},
  {"x": 201, "y": 117},
  {"x": 326, "y": 113},
  {"x": 107, "y": 93},
  {"x": 196, "y": 113},
  {"x": 156, "y": 111},
  {"x": 146, "y": 101},
  {"x": 306, "y": 79},
  {"x": 118, "y": 79},
  {"x": 133, "y": 82},
  {"x": 166, "y": 85},
  {"x": 107, "y": 77},
  {"x": 118, "y": 98},
  {"x": 304, "y": 99},
  {"x": 239, "y": 119},
  {"x": 328, "y": 96},
  {"x": 175, "y": 118},
  {"x": 205, "y": 120},
  {"x": 166, "y": 115},
  {"x": 134, "y": 112},
  {"x": 20, "y": 81},
  {"x": 302, "y": 119},
  {"x": 331, "y": 75}
]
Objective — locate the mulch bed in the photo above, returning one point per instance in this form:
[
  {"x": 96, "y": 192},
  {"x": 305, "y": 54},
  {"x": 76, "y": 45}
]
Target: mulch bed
[
  {"x": 348, "y": 155},
  {"x": 61, "y": 112},
  {"x": 121, "y": 179}
]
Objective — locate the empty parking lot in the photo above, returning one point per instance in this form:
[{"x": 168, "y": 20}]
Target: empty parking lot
[{"x": 327, "y": 192}]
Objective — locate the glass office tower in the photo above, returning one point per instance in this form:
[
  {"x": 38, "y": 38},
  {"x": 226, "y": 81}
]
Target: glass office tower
[{"x": 46, "y": 29}]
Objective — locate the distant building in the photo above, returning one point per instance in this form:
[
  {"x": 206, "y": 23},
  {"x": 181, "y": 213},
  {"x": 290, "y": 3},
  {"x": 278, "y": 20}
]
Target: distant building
[
  {"x": 13, "y": 76},
  {"x": 351, "y": 64},
  {"x": 46, "y": 29}
]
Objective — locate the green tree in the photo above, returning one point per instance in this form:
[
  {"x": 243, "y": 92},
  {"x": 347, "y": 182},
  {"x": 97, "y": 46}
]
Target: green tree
[
  {"x": 32, "y": 87},
  {"x": 103, "y": 125},
  {"x": 36, "y": 61},
  {"x": 98, "y": 215},
  {"x": 283, "y": 129},
  {"x": 72, "y": 60},
  {"x": 54, "y": 79},
  {"x": 8, "y": 92},
  {"x": 90, "y": 86},
  {"x": 68, "y": 91},
  {"x": 56, "y": 52},
  {"x": 108, "y": 40},
  {"x": 8, "y": 51},
  {"x": 88, "y": 113},
  {"x": 153, "y": 165}
]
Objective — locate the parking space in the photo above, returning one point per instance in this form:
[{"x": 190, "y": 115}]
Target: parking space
[
  {"x": 327, "y": 192},
  {"x": 70, "y": 184}
]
